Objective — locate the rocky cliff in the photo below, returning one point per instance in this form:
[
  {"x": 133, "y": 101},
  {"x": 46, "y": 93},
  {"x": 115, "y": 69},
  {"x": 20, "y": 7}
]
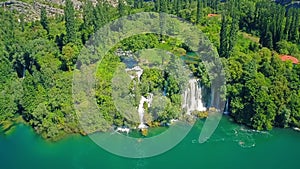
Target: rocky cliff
[{"x": 31, "y": 8}]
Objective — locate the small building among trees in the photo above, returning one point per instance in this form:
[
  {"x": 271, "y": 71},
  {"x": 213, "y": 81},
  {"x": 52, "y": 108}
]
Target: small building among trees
[{"x": 288, "y": 57}]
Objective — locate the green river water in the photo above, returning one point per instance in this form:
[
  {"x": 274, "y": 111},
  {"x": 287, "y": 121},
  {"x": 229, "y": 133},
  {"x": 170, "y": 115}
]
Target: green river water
[{"x": 231, "y": 146}]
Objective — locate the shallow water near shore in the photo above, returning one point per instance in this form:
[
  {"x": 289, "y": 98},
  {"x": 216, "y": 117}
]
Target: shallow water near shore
[{"x": 231, "y": 146}]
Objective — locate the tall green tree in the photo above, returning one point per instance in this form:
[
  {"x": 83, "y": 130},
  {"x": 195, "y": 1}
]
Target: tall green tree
[
  {"x": 8, "y": 32},
  {"x": 157, "y": 5},
  {"x": 199, "y": 11},
  {"x": 233, "y": 34},
  {"x": 178, "y": 7},
  {"x": 163, "y": 6},
  {"x": 267, "y": 38},
  {"x": 136, "y": 3},
  {"x": 278, "y": 24},
  {"x": 223, "y": 50},
  {"x": 294, "y": 28},
  {"x": 22, "y": 22},
  {"x": 121, "y": 8},
  {"x": 100, "y": 19},
  {"x": 88, "y": 19},
  {"x": 69, "y": 12},
  {"x": 44, "y": 19},
  {"x": 88, "y": 16},
  {"x": 288, "y": 22}
]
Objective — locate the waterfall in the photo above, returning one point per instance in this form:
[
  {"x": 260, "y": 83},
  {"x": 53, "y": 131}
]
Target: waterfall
[
  {"x": 212, "y": 101},
  {"x": 24, "y": 71},
  {"x": 141, "y": 110},
  {"x": 192, "y": 97},
  {"x": 226, "y": 107},
  {"x": 138, "y": 71}
]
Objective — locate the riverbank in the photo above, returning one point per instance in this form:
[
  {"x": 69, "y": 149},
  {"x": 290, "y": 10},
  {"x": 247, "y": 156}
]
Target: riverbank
[{"x": 136, "y": 133}]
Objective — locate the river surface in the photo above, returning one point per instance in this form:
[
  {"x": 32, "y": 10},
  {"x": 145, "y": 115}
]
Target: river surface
[{"x": 231, "y": 146}]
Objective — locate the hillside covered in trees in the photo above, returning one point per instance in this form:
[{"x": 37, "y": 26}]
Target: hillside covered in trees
[{"x": 38, "y": 60}]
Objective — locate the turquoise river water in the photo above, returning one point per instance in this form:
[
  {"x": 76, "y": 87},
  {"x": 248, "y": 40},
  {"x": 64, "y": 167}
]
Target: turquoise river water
[{"x": 231, "y": 146}]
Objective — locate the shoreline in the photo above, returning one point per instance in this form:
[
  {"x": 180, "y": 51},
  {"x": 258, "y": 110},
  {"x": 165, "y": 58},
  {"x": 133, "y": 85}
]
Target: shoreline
[{"x": 13, "y": 127}]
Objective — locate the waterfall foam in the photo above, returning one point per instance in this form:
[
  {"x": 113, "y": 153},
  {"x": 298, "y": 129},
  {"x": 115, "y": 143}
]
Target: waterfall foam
[
  {"x": 138, "y": 71},
  {"x": 226, "y": 107},
  {"x": 192, "y": 97},
  {"x": 141, "y": 110}
]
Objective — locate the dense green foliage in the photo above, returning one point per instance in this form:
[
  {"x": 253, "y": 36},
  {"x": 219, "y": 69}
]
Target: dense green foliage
[
  {"x": 263, "y": 91},
  {"x": 37, "y": 62}
]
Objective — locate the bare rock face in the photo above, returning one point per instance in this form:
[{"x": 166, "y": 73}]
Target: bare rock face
[
  {"x": 30, "y": 11},
  {"x": 53, "y": 7},
  {"x": 50, "y": 10},
  {"x": 21, "y": 7},
  {"x": 77, "y": 3}
]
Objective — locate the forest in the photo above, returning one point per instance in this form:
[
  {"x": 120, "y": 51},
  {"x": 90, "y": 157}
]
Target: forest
[{"x": 38, "y": 61}]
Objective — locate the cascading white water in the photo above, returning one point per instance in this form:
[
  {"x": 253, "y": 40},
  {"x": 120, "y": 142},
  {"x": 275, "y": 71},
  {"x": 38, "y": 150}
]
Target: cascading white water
[
  {"x": 141, "y": 110},
  {"x": 212, "y": 101},
  {"x": 192, "y": 97},
  {"x": 226, "y": 107},
  {"x": 24, "y": 71},
  {"x": 138, "y": 71}
]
